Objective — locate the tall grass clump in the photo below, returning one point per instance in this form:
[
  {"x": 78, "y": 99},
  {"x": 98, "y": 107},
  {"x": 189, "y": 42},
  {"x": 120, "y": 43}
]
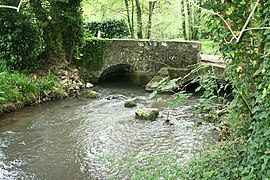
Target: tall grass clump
[{"x": 18, "y": 89}]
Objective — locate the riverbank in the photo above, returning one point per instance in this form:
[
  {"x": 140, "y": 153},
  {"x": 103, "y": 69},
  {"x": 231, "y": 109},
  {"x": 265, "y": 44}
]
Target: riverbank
[{"x": 18, "y": 90}]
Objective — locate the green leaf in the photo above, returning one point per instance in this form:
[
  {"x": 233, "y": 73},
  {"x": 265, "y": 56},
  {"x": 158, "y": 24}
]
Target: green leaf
[
  {"x": 198, "y": 89},
  {"x": 168, "y": 86},
  {"x": 154, "y": 85},
  {"x": 153, "y": 94},
  {"x": 265, "y": 161}
]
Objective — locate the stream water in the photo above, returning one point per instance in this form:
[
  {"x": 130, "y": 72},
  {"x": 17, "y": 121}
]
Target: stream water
[{"x": 76, "y": 138}]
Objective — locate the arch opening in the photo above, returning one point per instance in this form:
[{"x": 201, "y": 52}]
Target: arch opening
[
  {"x": 124, "y": 73},
  {"x": 115, "y": 72}
]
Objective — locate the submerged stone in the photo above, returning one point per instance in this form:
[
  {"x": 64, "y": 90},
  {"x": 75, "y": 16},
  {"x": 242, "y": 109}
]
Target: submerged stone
[
  {"x": 147, "y": 113},
  {"x": 89, "y": 94}
]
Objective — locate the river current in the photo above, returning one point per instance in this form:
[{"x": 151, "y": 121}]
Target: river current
[{"x": 77, "y": 138}]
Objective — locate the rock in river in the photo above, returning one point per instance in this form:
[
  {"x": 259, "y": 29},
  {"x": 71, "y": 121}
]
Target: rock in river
[
  {"x": 88, "y": 85},
  {"x": 89, "y": 94},
  {"x": 130, "y": 103},
  {"x": 147, "y": 113}
]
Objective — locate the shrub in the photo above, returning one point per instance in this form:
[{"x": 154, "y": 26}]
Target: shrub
[
  {"x": 108, "y": 28},
  {"x": 20, "y": 40}
]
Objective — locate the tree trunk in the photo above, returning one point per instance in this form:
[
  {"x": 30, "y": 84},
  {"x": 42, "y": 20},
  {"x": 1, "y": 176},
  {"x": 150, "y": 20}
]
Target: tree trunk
[
  {"x": 190, "y": 16},
  {"x": 139, "y": 20},
  {"x": 132, "y": 18},
  {"x": 186, "y": 24},
  {"x": 149, "y": 26},
  {"x": 129, "y": 20},
  {"x": 261, "y": 48},
  {"x": 181, "y": 16}
]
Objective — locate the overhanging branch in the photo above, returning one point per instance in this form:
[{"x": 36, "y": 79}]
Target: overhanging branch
[{"x": 13, "y": 7}]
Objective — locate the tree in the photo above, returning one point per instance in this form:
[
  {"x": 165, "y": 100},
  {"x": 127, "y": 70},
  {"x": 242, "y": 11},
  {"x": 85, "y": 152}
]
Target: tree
[
  {"x": 130, "y": 18},
  {"x": 52, "y": 29},
  {"x": 61, "y": 23},
  {"x": 186, "y": 21},
  {"x": 139, "y": 20},
  {"x": 151, "y": 9}
]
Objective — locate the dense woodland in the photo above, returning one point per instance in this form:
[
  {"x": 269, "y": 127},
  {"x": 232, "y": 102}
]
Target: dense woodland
[{"x": 47, "y": 33}]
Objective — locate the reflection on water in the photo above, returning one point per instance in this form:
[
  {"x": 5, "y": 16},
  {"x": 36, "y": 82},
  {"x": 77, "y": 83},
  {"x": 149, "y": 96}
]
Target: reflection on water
[{"x": 74, "y": 138}]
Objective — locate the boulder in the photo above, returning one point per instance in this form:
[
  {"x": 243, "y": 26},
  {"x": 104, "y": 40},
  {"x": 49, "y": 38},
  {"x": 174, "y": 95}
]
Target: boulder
[
  {"x": 147, "y": 113},
  {"x": 130, "y": 103},
  {"x": 89, "y": 94}
]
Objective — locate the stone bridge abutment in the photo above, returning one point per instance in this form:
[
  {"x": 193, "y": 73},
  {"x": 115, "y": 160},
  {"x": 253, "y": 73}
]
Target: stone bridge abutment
[{"x": 147, "y": 56}]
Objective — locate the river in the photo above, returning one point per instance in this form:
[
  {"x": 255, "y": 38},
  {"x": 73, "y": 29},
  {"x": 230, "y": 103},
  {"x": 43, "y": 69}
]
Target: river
[{"x": 78, "y": 138}]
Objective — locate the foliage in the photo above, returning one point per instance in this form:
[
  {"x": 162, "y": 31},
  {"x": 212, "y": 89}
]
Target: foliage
[
  {"x": 72, "y": 28},
  {"x": 92, "y": 53},
  {"x": 209, "y": 47},
  {"x": 108, "y": 28},
  {"x": 167, "y": 19},
  {"x": 44, "y": 31},
  {"x": 20, "y": 40},
  {"x": 246, "y": 153},
  {"x": 154, "y": 167},
  {"x": 61, "y": 24},
  {"x": 17, "y": 88},
  {"x": 21, "y": 87},
  {"x": 214, "y": 94}
]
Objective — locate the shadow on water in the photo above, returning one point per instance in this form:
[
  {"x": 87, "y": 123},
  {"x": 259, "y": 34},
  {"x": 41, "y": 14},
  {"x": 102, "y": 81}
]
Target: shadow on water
[{"x": 78, "y": 138}]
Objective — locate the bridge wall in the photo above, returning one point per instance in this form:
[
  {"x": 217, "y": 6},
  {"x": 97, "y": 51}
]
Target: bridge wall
[{"x": 146, "y": 55}]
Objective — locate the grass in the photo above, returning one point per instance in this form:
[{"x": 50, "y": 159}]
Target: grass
[
  {"x": 209, "y": 47},
  {"x": 18, "y": 89}
]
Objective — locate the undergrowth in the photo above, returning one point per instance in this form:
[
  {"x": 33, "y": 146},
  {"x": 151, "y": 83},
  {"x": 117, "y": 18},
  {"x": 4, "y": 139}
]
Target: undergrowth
[{"x": 17, "y": 88}]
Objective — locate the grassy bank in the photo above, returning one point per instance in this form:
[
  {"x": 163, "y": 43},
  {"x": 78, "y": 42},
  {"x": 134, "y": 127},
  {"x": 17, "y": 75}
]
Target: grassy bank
[
  {"x": 18, "y": 90},
  {"x": 209, "y": 47}
]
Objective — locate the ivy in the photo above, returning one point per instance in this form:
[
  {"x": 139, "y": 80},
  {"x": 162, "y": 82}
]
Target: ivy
[
  {"x": 93, "y": 52},
  {"x": 21, "y": 39},
  {"x": 246, "y": 155}
]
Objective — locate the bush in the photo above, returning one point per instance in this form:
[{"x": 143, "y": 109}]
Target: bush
[
  {"x": 20, "y": 40},
  {"x": 108, "y": 28}
]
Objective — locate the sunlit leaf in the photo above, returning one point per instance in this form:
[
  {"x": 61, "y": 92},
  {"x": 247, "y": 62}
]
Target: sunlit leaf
[{"x": 153, "y": 94}]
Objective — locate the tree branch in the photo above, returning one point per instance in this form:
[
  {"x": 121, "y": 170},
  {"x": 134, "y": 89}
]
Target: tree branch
[
  {"x": 216, "y": 14},
  {"x": 258, "y": 28},
  {"x": 19, "y": 6},
  {"x": 229, "y": 27},
  {"x": 13, "y": 7},
  {"x": 249, "y": 17},
  {"x": 9, "y": 7}
]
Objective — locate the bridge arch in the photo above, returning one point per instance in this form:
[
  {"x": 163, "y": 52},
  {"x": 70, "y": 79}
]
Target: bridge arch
[{"x": 115, "y": 70}]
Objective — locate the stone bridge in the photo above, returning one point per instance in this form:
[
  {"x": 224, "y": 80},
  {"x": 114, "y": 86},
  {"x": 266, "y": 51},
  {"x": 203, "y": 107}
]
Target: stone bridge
[{"x": 149, "y": 57}]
